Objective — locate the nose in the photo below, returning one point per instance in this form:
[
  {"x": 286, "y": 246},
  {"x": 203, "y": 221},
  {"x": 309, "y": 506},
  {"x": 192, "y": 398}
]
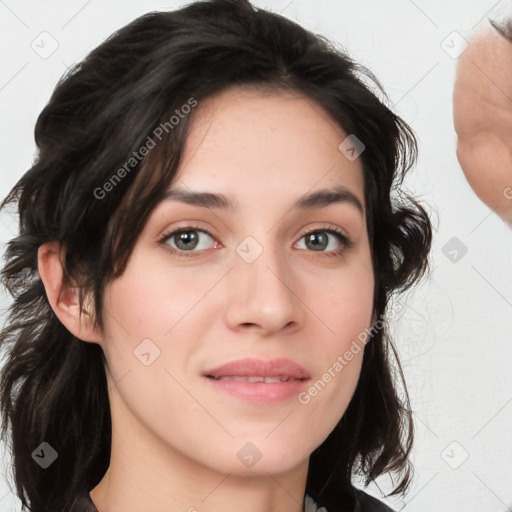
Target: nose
[{"x": 265, "y": 294}]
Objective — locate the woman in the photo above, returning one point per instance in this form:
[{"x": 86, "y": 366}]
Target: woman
[{"x": 201, "y": 283}]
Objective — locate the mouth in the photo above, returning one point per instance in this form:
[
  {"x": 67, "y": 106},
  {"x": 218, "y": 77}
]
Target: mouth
[
  {"x": 258, "y": 370},
  {"x": 258, "y": 390},
  {"x": 259, "y": 381},
  {"x": 255, "y": 378}
]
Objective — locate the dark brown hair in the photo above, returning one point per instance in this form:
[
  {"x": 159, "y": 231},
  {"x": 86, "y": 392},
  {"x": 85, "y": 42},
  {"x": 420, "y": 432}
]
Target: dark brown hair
[{"x": 53, "y": 386}]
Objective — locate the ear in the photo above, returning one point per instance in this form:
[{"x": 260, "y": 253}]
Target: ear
[{"x": 63, "y": 297}]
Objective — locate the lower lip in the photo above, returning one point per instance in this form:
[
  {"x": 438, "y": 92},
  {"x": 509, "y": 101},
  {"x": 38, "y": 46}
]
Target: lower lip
[{"x": 262, "y": 392}]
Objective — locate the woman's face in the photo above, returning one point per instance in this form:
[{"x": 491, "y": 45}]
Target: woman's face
[{"x": 249, "y": 281}]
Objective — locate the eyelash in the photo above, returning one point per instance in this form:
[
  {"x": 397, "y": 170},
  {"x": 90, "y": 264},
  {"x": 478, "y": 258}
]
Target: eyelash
[{"x": 346, "y": 243}]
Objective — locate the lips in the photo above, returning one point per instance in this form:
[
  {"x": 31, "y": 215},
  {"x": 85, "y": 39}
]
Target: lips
[
  {"x": 255, "y": 379},
  {"x": 258, "y": 381},
  {"x": 259, "y": 370}
]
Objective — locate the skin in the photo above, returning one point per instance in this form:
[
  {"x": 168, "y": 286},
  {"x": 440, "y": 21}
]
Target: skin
[
  {"x": 175, "y": 438},
  {"x": 482, "y": 109}
]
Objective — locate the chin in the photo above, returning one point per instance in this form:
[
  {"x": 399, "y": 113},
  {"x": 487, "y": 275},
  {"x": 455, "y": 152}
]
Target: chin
[{"x": 252, "y": 458}]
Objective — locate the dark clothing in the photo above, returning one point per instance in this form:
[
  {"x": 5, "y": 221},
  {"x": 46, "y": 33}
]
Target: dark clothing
[
  {"x": 367, "y": 503},
  {"x": 364, "y": 503}
]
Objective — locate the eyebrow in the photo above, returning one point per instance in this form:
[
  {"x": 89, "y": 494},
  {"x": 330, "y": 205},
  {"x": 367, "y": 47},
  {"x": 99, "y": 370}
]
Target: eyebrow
[{"x": 318, "y": 199}]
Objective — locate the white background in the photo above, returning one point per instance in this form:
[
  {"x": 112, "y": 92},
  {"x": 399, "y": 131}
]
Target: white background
[{"x": 455, "y": 334}]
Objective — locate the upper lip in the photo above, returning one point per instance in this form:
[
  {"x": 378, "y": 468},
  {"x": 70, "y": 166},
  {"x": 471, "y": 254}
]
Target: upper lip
[{"x": 279, "y": 367}]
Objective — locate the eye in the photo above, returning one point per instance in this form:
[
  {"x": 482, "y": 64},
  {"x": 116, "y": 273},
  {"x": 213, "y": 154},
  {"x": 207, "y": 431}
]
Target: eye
[
  {"x": 319, "y": 239},
  {"x": 194, "y": 239},
  {"x": 186, "y": 239}
]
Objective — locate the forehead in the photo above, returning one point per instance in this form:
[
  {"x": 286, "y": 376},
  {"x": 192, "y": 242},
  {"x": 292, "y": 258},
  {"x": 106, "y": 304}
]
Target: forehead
[{"x": 247, "y": 140}]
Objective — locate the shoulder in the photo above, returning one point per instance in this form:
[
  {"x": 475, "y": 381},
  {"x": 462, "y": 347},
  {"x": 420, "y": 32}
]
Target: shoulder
[{"x": 367, "y": 503}]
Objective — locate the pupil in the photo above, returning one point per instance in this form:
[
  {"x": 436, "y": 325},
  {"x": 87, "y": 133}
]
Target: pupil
[
  {"x": 314, "y": 237},
  {"x": 187, "y": 237}
]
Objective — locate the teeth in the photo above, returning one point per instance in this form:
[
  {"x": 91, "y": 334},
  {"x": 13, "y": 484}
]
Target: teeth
[{"x": 256, "y": 379}]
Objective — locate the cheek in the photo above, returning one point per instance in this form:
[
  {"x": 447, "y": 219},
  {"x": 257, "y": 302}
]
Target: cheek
[
  {"x": 150, "y": 298},
  {"x": 345, "y": 307},
  {"x": 142, "y": 320},
  {"x": 346, "y": 302},
  {"x": 153, "y": 324}
]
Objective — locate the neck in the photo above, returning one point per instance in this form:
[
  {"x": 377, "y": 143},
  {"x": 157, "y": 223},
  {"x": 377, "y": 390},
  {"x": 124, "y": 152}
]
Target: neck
[{"x": 147, "y": 475}]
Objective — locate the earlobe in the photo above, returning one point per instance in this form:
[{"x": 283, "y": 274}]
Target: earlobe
[{"x": 63, "y": 297}]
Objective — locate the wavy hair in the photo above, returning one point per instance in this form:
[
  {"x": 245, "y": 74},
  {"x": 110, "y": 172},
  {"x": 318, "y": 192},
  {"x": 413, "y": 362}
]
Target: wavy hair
[{"x": 53, "y": 386}]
